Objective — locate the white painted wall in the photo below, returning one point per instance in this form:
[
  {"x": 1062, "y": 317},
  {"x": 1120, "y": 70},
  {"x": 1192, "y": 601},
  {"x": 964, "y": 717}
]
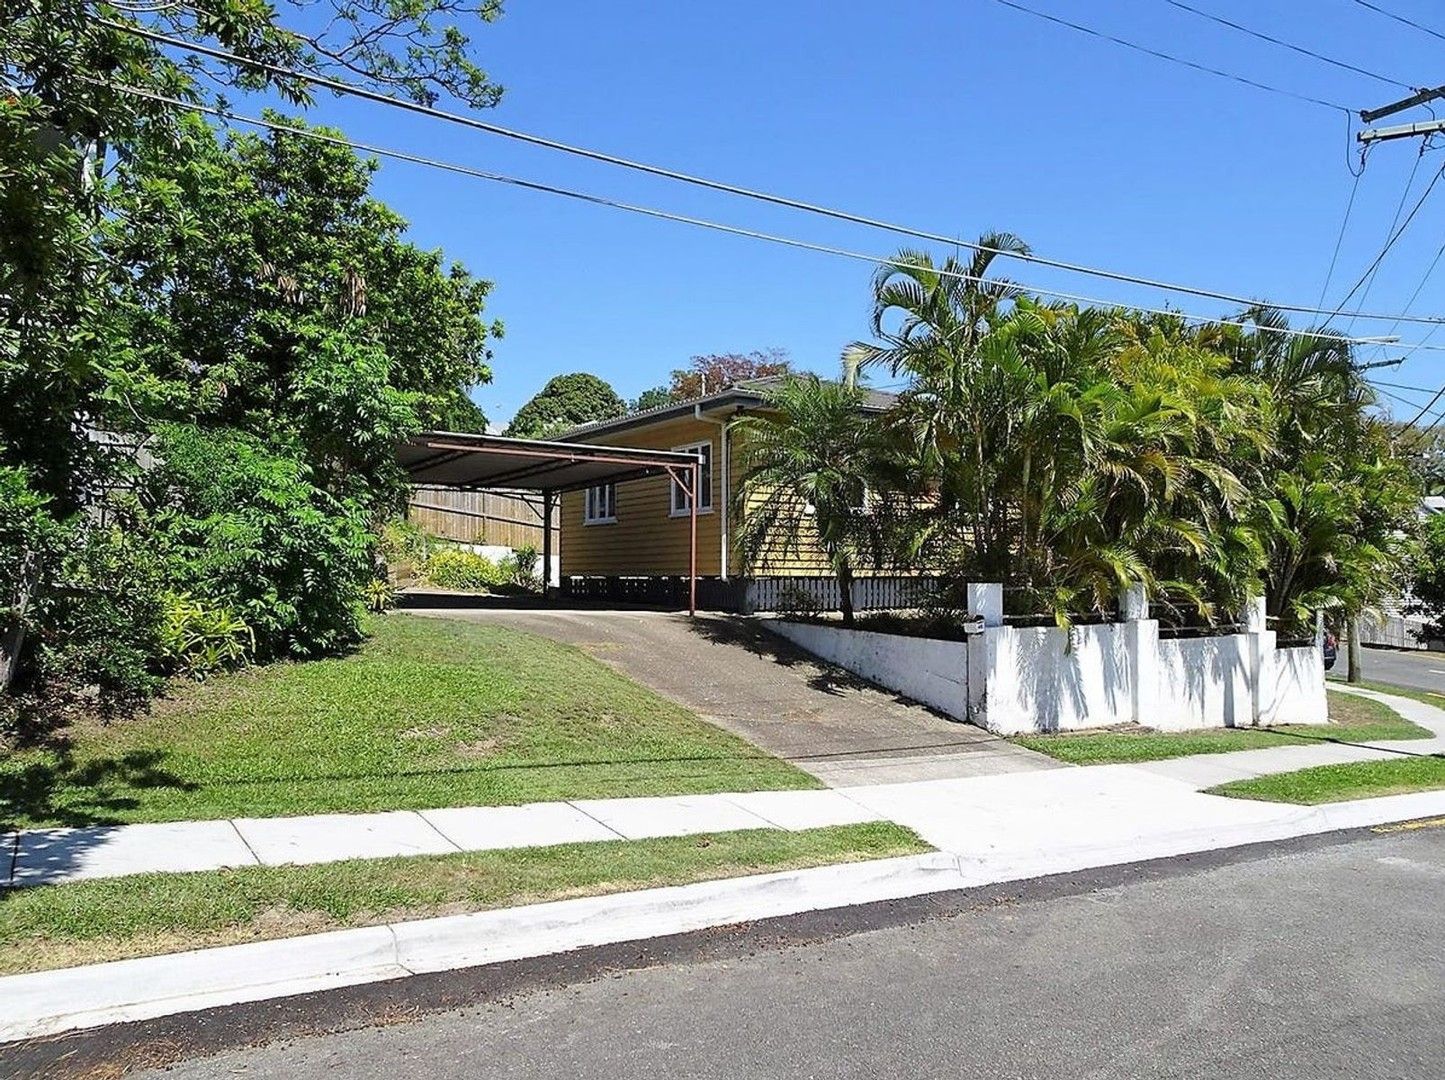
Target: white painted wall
[
  {"x": 1296, "y": 694},
  {"x": 1205, "y": 682},
  {"x": 930, "y": 670},
  {"x": 1041, "y": 678},
  {"x": 1021, "y": 680}
]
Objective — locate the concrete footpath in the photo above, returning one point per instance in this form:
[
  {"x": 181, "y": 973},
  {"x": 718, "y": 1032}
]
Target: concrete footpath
[
  {"x": 56, "y": 856},
  {"x": 988, "y": 830}
]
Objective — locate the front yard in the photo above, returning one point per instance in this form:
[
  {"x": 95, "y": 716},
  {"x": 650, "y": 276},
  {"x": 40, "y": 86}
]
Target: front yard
[
  {"x": 428, "y": 713},
  {"x": 1352, "y": 719}
]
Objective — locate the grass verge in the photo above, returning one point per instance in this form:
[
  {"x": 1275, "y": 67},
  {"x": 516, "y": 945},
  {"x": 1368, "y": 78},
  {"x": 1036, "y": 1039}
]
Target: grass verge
[
  {"x": 1427, "y": 696},
  {"x": 52, "y": 926},
  {"x": 427, "y": 713},
  {"x": 1352, "y": 719},
  {"x": 1336, "y": 783}
]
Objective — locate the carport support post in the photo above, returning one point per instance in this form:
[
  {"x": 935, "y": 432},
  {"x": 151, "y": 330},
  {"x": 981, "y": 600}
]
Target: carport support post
[{"x": 546, "y": 544}]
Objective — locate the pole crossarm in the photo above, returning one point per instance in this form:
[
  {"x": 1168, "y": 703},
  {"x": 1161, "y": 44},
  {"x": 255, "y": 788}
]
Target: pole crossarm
[
  {"x": 1420, "y": 97},
  {"x": 1400, "y": 131}
]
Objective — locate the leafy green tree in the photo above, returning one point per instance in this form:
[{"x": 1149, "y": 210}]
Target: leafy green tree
[
  {"x": 567, "y": 401},
  {"x": 652, "y": 398},
  {"x": 270, "y": 292},
  {"x": 1427, "y": 578},
  {"x": 812, "y": 460}
]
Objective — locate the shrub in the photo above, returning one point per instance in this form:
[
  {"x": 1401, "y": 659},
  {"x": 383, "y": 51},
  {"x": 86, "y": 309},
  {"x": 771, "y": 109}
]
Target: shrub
[
  {"x": 457, "y": 568},
  {"x": 99, "y": 623},
  {"x": 524, "y": 562},
  {"x": 198, "y": 638},
  {"x": 244, "y": 529},
  {"x": 380, "y": 594},
  {"x": 403, "y": 547}
]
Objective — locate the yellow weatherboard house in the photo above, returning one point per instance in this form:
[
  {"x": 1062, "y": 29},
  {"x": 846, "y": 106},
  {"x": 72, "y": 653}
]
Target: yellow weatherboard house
[{"x": 631, "y": 540}]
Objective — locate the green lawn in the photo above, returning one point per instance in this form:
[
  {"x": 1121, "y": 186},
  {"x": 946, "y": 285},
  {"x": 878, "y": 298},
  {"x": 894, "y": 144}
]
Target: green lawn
[
  {"x": 1352, "y": 719},
  {"x": 1427, "y": 696},
  {"x": 87, "y": 922},
  {"x": 1335, "y": 783},
  {"x": 428, "y": 713}
]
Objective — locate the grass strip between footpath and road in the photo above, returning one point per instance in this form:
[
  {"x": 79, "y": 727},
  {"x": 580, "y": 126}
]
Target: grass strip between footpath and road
[
  {"x": 1353, "y": 719},
  {"x": 427, "y": 713},
  {"x": 1429, "y": 697},
  {"x": 1337, "y": 783},
  {"x": 53, "y": 926}
]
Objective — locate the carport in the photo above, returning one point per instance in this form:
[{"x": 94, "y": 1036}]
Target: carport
[{"x": 491, "y": 462}]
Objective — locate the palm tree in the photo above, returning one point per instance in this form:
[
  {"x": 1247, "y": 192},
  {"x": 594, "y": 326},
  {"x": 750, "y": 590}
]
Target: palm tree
[{"x": 810, "y": 461}]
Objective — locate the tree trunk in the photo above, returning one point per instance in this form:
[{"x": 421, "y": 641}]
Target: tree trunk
[
  {"x": 845, "y": 592},
  {"x": 1353, "y": 631}
]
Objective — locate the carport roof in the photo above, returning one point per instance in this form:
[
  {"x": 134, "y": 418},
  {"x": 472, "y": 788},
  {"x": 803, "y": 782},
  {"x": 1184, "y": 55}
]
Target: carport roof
[{"x": 452, "y": 459}]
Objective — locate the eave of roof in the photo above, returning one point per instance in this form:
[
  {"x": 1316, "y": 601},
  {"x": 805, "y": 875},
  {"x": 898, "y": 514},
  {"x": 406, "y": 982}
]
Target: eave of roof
[{"x": 744, "y": 395}]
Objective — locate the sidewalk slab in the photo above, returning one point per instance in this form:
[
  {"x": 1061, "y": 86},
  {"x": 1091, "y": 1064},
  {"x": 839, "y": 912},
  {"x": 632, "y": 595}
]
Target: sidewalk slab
[
  {"x": 670, "y": 815},
  {"x": 50, "y": 856},
  {"x": 477, "y": 828},
  {"x": 331, "y": 837},
  {"x": 804, "y": 809}
]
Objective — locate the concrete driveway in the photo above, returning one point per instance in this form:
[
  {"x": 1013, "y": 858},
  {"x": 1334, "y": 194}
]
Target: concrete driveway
[{"x": 826, "y": 721}]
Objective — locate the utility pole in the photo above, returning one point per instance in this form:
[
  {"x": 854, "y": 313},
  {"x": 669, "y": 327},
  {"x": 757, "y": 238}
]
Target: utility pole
[{"x": 1368, "y": 136}]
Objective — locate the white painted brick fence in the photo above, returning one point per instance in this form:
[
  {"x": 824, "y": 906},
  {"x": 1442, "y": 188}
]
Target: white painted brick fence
[{"x": 1017, "y": 680}]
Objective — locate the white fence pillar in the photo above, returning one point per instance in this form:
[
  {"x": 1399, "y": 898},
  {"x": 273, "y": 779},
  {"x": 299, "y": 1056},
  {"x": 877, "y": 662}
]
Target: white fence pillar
[
  {"x": 1263, "y": 681},
  {"x": 1141, "y": 640},
  {"x": 985, "y": 614}
]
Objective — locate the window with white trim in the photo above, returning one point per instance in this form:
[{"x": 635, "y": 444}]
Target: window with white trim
[
  {"x": 681, "y": 504},
  {"x": 600, "y": 507}
]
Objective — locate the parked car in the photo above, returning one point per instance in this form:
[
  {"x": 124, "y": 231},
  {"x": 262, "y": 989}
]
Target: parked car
[{"x": 1332, "y": 649}]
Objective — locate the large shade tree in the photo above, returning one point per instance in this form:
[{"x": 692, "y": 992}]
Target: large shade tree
[{"x": 567, "y": 401}]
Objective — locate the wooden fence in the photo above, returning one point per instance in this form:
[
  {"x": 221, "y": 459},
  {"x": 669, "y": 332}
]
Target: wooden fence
[{"x": 511, "y": 519}]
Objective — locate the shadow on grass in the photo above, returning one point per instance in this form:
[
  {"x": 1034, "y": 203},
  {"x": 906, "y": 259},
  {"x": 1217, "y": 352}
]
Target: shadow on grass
[{"x": 58, "y": 788}]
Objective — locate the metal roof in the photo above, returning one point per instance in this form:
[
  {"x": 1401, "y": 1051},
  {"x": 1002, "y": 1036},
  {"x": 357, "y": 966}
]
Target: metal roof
[
  {"x": 752, "y": 393},
  {"x": 454, "y": 459}
]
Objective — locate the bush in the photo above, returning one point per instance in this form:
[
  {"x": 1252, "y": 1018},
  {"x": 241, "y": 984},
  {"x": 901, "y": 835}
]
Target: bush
[
  {"x": 98, "y": 623},
  {"x": 198, "y": 638},
  {"x": 457, "y": 568},
  {"x": 525, "y": 572},
  {"x": 379, "y": 595},
  {"x": 245, "y": 530},
  {"x": 403, "y": 547}
]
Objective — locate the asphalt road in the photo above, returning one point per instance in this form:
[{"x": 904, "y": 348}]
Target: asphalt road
[
  {"x": 1294, "y": 964},
  {"x": 1404, "y": 667}
]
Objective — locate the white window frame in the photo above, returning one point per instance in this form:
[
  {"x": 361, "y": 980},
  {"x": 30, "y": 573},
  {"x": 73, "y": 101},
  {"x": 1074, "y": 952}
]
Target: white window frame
[
  {"x": 597, "y": 498},
  {"x": 677, "y": 498}
]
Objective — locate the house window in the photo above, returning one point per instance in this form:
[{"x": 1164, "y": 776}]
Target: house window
[
  {"x": 681, "y": 504},
  {"x": 601, "y": 505}
]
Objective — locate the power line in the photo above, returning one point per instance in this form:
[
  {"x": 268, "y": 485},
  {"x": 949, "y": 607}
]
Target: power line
[
  {"x": 1218, "y": 72},
  {"x": 1389, "y": 243},
  {"x": 1400, "y": 19},
  {"x": 1286, "y": 44},
  {"x": 1399, "y": 209},
  {"x": 1340, "y": 239},
  {"x": 732, "y": 189},
  {"x": 733, "y": 230}
]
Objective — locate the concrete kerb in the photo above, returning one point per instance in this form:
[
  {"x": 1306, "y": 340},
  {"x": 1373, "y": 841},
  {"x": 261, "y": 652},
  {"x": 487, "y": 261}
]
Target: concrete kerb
[{"x": 47, "y": 1003}]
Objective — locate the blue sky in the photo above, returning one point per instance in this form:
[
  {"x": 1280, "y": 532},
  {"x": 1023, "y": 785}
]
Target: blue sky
[{"x": 955, "y": 117}]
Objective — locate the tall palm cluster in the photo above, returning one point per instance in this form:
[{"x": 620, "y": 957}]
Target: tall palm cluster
[{"x": 1069, "y": 452}]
